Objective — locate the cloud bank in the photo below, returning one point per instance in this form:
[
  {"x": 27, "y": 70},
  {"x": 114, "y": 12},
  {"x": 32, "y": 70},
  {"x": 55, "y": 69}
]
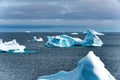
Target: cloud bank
[
  {"x": 60, "y": 9},
  {"x": 62, "y": 12}
]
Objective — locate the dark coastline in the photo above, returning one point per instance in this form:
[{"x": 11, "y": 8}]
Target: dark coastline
[{"x": 51, "y": 60}]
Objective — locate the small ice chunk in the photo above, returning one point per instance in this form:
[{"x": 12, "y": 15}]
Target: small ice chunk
[
  {"x": 28, "y": 31},
  {"x": 74, "y": 33},
  {"x": 89, "y": 68},
  {"x": 28, "y": 40},
  {"x": 37, "y": 39},
  {"x": 11, "y": 46}
]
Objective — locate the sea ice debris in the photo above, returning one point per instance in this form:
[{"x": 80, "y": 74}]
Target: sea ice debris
[
  {"x": 37, "y": 39},
  {"x": 74, "y": 33},
  {"x": 89, "y": 68},
  {"x": 28, "y": 31}
]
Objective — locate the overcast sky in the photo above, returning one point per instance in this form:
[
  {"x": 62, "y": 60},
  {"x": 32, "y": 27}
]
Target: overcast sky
[{"x": 87, "y": 12}]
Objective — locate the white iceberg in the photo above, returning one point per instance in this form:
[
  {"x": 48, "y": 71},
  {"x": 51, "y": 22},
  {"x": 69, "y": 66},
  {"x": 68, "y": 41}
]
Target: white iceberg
[
  {"x": 37, "y": 39},
  {"x": 62, "y": 41},
  {"x": 11, "y": 46},
  {"x": 92, "y": 39},
  {"x": 88, "y": 68}
]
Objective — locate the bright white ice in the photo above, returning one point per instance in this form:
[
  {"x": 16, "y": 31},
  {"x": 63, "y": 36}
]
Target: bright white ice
[
  {"x": 74, "y": 33},
  {"x": 11, "y": 46},
  {"x": 89, "y": 68},
  {"x": 28, "y": 31},
  {"x": 37, "y": 39}
]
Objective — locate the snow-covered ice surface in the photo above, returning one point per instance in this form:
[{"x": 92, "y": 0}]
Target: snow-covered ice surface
[
  {"x": 92, "y": 39},
  {"x": 89, "y": 68},
  {"x": 62, "y": 41},
  {"x": 11, "y": 46},
  {"x": 37, "y": 39}
]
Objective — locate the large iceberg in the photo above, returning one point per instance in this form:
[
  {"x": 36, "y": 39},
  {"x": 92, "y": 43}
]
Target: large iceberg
[
  {"x": 89, "y": 68},
  {"x": 62, "y": 41},
  {"x": 11, "y": 46},
  {"x": 92, "y": 39}
]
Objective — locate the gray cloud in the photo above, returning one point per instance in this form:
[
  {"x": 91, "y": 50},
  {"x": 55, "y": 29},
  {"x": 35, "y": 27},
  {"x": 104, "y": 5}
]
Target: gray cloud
[
  {"x": 30, "y": 12},
  {"x": 60, "y": 9}
]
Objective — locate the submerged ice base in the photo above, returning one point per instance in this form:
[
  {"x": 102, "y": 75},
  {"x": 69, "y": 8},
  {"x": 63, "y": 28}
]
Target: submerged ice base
[
  {"x": 11, "y": 46},
  {"x": 89, "y": 68}
]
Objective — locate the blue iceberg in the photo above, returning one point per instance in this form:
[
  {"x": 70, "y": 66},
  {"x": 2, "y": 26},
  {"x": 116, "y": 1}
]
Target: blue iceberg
[
  {"x": 89, "y": 68},
  {"x": 62, "y": 41},
  {"x": 11, "y": 46},
  {"x": 92, "y": 39}
]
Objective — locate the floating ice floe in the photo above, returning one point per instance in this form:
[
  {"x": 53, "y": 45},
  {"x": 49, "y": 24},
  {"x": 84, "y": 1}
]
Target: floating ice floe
[
  {"x": 62, "y": 41},
  {"x": 11, "y": 46},
  {"x": 38, "y": 40},
  {"x": 89, "y": 68},
  {"x": 92, "y": 39},
  {"x": 28, "y": 31},
  {"x": 74, "y": 33}
]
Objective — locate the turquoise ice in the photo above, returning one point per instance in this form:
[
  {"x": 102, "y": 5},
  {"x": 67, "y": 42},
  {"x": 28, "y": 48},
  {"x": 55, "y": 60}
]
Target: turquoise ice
[
  {"x": 91, "y": 39},
  {"x": 62, "y": 41},
  {"x": 89, "y": 68}
]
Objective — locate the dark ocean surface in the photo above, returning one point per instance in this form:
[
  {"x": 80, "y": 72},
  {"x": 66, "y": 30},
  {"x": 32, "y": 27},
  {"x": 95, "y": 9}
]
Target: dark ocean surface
[
  {"x": 56, "y": 28},
  {"x": 45, "y": 61}
]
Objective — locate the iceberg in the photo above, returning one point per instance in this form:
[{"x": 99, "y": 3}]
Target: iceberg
[
  {"x": 92, "y": 39},
  {"x": 89, "y": 68},
  {"x": 62, "y": 41},
  {"x": 38, "y": 40},
  {"x": 11, "y": 46}
]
